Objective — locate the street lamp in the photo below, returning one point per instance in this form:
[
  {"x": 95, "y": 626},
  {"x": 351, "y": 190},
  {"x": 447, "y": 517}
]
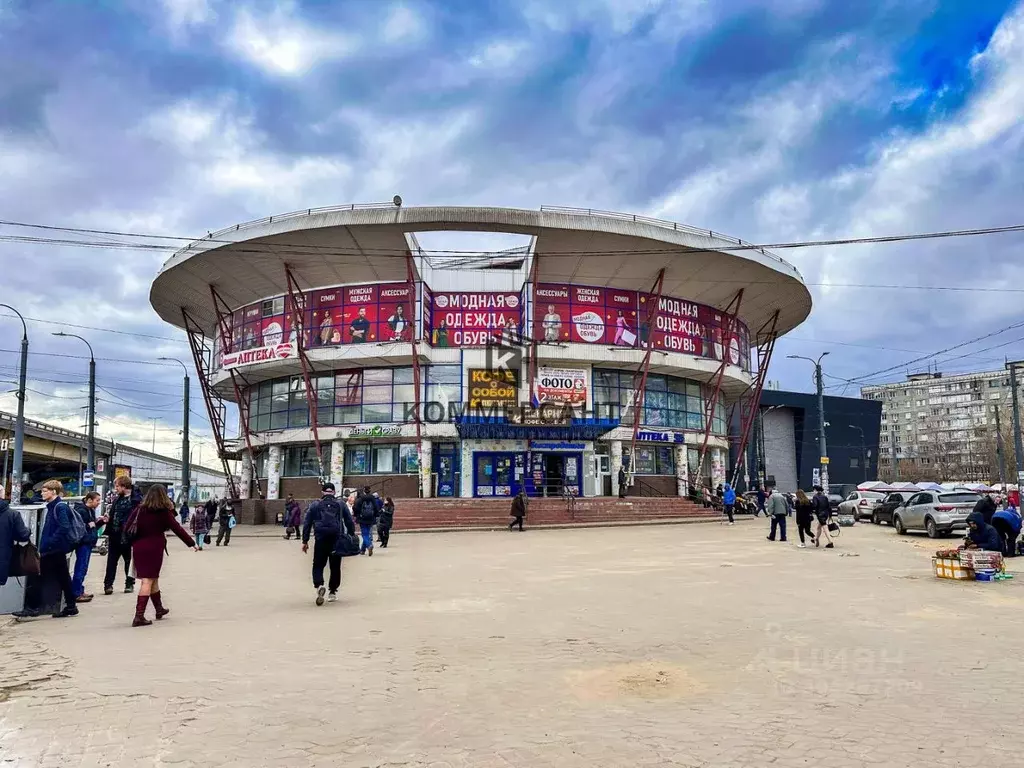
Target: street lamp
[
  {"x": 863, "y": 449},
  {"x": 186, "y": 475},
  {"x": 19, "y": 423},
  {"x": 821, "y": 414},
  {"x": 91, "y": 460}
]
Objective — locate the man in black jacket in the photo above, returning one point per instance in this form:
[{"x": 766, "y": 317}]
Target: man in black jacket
[
  {"x": 822, "y": 511},
  {"x": 325, "y": 518},
  {"x": 365, "y": 511},
  {"x": 227, "y": 511},
  {"x": 986, "y": 507},
  {"x": 127, "y": 499}
]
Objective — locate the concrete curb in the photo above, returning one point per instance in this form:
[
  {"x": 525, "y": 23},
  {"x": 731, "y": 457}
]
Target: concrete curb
[{"x": 275, "y": 532}]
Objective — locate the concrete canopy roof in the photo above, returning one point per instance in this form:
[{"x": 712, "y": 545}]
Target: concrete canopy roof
[{"x": 353, "y": 244}]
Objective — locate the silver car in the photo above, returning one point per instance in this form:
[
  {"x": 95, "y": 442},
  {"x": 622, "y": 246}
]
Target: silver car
[
  {"x": 939, "y": 513},
  {"x": 860, "y": 504}
]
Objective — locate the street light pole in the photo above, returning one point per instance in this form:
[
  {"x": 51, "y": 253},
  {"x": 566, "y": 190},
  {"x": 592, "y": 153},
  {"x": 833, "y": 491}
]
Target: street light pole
[
  {"x": 19, "y": 423},
  {"x": 186, "y": 455},
  {"x": 1018, "y": 451},
  {"x": 91, "y": 458},
  {"x": 823, "y": 448},
  {"x": 863, "y": 449}
]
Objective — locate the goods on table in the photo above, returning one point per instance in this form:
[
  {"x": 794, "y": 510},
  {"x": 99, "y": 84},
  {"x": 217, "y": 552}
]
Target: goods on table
[{"x": 968, "y": 564}]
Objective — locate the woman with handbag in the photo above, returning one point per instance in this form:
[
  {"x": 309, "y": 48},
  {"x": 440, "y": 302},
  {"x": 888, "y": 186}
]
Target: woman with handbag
[
  {"x": 13, "y": 532},
  {"x": 146, "y": 528}
]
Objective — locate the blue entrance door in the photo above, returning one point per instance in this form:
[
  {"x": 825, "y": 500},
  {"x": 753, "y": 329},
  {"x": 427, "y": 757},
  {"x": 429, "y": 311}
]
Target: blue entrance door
[{"x": 497, "y": 473}]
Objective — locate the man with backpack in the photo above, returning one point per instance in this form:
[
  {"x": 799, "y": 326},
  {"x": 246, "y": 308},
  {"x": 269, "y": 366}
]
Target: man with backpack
[
  {"x": 127, "y": 499},
  {"x": 63, "y": 531},
  {"x": 366, "y": 513},
  {"x": 86, "y": 511},
  {"x": 325, "y": 518}
]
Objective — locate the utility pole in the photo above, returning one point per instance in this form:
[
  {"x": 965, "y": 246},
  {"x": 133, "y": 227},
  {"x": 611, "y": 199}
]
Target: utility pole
[
  {"x": 1017, "y": 448},
  {"x": 91, "y": 458},
  {"x": 822, "y": 447},
  {"x": 19, "y": 423},
  {"x": 186, "y": 454},
  {"x": 999, "y": 450}
]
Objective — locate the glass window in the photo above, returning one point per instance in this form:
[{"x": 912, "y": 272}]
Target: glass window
[
  {"x": 645, "y": 461},
  {"x": 375, "y": 413},
  {"x": 403, "y": 375},
  {"x": 384, "y": 459},
  {"x": 301, "y": 460},
  {"x": 444, "y": 374},
  {"x": 356, "y": 460},
  {"x": 409, "y": 459},
  {"x": 666, "y": 460},
  {"x": 376, "y": 376}
]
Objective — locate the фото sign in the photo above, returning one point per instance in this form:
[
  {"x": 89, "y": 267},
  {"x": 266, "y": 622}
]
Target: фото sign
[
  {"x": 490, "y": 388},
  {"x": 566, "y": 386},
  {"x": 259, "y": 355}
]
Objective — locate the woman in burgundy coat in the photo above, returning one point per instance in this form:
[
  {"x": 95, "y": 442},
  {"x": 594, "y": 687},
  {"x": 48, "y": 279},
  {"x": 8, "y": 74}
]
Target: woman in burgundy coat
[{"x": 155, "y": 517}]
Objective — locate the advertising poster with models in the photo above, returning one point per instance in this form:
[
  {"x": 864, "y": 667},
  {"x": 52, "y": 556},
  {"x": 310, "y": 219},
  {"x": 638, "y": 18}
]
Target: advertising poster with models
[
  {"x": 585, "y": 315},
  {"x": 476, "y": 319}
]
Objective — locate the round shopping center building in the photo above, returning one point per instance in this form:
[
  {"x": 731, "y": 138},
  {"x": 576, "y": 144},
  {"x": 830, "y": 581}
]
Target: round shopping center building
[{"x": 608, "y": 341}]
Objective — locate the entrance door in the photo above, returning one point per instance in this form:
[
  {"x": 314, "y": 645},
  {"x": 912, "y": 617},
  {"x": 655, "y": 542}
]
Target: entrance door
[
  {"x": 495, "y": 474},
  {"x": 554, "y": 473},
  {"x": 603, "y": 475}
]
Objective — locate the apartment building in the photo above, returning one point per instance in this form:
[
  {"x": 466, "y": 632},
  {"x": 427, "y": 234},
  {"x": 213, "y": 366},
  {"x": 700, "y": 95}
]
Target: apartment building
[{"x": 945, "y": 425}]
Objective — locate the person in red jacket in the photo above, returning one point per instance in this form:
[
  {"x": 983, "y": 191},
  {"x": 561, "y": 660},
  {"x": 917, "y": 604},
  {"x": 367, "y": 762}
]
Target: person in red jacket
[{"x": 155, "y": 516}]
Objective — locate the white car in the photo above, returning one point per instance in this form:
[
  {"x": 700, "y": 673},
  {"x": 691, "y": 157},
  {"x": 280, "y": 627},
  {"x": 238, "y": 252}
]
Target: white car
[{"x": 860, "y": 504}]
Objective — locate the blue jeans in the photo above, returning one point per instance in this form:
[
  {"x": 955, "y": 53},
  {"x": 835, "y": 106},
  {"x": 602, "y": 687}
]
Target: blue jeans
[
  {"x": 82, "y": 555},
  {"x": 367, "y": 532}
]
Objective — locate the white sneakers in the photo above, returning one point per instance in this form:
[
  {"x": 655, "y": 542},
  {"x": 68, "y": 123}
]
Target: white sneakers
[
  {"x": 801, "y": 546},
  {"x": 320, "y": 594},
  {"x": 332, "y": 597}
]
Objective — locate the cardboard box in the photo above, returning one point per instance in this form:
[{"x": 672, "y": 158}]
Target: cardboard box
[{"x": 949, "y": 568}]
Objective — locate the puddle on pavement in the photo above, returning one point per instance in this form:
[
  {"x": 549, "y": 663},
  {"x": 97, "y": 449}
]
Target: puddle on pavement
[{"x": 636, "y": 680}]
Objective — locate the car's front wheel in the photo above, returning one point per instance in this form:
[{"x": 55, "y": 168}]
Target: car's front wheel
[{"x": 897, "y": 523}]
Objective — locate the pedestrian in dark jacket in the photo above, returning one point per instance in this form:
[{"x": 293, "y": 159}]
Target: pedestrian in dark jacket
[
  {"x": 225, "y": 522},
  {"x": 326, "y": 518},
  {"x": 622, "y": 483},
  {"x": 804, "y": 516},
  {"x": 127, "y": 498},
  {"x": 365, "y": 512},
  {"x": 762, "y": 497},
  {"x": 200, "y": 526},
  {"x": 385, "y": 520},
  {"x": 13, "y": 532},
  {"x": 1007, "y": 523},
  {"x": 822, "y": 511},
  {"x": 54, "y": 545},
  {"x": 292, "y": 518},
  {"x": 518, "y": 511},
  {"x": 981, "y": 535},
  {"x": 86, "y": 510},
  {"x": 986, "y": 506}
]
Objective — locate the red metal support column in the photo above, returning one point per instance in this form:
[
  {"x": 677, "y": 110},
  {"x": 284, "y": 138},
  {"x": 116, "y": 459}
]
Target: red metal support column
[
  {"x": 766, "y": 347},
  {"x": 641, "y": 372},
  {"x": 241, "y": 390},
  {"x": 297, "y": 308},
  {"x": 731, "y": 312},
  {"x": 532, "y": 368},
  {"x": 214, "y": 402}
]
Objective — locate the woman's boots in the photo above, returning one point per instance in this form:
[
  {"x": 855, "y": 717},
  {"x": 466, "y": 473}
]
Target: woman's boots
[
  {"x": 140, "y": 611},
  {"x": 159, "y": 605}
]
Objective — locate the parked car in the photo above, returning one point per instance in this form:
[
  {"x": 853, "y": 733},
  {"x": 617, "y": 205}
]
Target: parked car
[
  {"x": 883, "y": 512},
  {"x": 935, "y": 512},
  {"x": 834, "y": 500},
  {"x": 860, "y": 504}
]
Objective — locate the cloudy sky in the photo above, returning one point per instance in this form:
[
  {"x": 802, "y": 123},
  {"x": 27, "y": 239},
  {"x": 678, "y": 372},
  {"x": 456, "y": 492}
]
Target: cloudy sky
[{"x": 772, "y": 120}]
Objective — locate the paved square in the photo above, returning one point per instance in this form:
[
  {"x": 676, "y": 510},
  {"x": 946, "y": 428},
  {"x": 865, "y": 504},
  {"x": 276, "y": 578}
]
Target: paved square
[{"x": 695, "y": 645}]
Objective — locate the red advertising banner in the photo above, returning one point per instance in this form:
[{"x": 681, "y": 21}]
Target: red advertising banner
[
  {"x": 585, "y": 315},
  {"x": 475, "y": 319},
  {"x": 677, "y": 327}
]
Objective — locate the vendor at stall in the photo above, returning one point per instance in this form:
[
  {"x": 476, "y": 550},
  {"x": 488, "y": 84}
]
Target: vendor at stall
[
  {"x": 981, "y": 535},
  {"x": 1007, "y": 523}
]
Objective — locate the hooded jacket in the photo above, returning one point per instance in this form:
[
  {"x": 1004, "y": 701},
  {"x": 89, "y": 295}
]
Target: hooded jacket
[
  {"x": 986, "y": 507},
  {"x": 984, "y": 536},
  {"x": 729, "y": 497},
  {"x": 1011, "y": 516}
]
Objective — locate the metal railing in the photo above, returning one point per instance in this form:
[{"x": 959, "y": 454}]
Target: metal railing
[{"x": 663, "y": 223}]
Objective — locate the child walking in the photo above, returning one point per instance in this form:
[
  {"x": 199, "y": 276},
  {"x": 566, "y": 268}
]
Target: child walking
[{"x": 200, "y": 526}]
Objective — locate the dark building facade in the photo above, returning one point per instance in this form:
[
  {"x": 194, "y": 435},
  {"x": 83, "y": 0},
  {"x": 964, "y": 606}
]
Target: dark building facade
[{"x": 784, "y": 444}]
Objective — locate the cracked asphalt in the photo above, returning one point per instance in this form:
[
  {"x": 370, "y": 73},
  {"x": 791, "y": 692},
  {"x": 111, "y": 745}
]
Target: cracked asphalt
[{"x": 697, "y": 645}]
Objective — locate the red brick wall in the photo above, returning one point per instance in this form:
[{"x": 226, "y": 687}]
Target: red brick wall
[{"x": 396, "y": 486}]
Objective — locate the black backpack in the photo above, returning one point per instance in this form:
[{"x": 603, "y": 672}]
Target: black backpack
[
  {"x": 367, "y": 511},
  {"x": 330, "y": 515}
]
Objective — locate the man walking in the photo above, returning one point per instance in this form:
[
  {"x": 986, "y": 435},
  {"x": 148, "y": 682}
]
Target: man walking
[
  {"x": 729, "y": 502},
  {"x": 225, "y": 522},
  {"x": 366, "y": 513},
  {"x": 822, "y": 511},
  {"x": 762, "y": 497},
  {"x": 125, "y": 501},
  {"x": 86, "y": 511},
  {"x": 326, "y": 517},
  {"x": 777, "y": 509}
]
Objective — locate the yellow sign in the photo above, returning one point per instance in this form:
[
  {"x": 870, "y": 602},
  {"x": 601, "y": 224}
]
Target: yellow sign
[
  {"x": 489, "y": 388},
  {"x": 824, "y": 459}
]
